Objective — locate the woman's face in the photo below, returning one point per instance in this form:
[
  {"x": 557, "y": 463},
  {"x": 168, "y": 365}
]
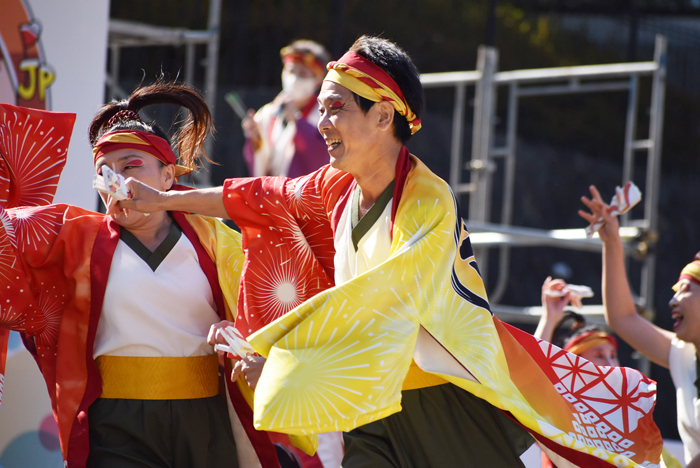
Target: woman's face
[
  {"x": 142, "y": 167},
  {"x": 602, "y": 355},
  {"x": 685, "y": 310}
]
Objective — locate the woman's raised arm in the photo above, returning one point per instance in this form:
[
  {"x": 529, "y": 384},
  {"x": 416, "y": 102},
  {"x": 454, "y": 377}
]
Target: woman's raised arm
[{"x": 620, "y": 311}]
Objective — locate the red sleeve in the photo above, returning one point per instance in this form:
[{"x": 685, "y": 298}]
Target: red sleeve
[
  {"x": 255, "y": 203},
  {"x": 18, "y": 310},
  {"x": 283, "y": 222},
  {"x": 29, "y": 174}
]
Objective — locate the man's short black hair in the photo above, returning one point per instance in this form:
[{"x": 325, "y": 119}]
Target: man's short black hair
[{"x": 398, "y": 65}]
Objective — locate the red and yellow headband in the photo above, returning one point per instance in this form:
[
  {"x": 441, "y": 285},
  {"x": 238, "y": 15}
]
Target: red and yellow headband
[
  {"x": 307, "y": 59},
  {"x": 368, "y": 80},
  {"x": 588, "y": 340},
  {"x": 690, "y": 272},
  {"x": 138, "y": 140}
]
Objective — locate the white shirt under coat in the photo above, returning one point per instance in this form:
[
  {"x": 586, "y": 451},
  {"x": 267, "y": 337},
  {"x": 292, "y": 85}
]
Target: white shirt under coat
[
  {"x": 161, "y": 313},
  {"x": 373, "y": 249},
  {"x": 683, "y": 367}
]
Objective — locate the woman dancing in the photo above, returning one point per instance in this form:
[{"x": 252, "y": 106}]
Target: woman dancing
[
  {"x": 674, "y": 351},
  {"x": 116, "y": 309}
]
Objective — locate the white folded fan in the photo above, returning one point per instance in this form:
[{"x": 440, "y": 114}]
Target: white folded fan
[
  {"x": 575, "y": 289},
  {"x": 237, "y": 345},
  {"x": 623, "y": 201},
  {"x": 111, "y": 183}
]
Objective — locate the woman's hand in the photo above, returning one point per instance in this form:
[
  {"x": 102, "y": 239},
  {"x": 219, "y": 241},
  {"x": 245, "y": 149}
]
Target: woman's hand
[
  {"x": 554, "y": 305},
  {"x": 251, "y": 367},
  {"x": 215, "y": 337},
  {"x": 599, "y": 209},
  {"x": 553, "y": 308}
]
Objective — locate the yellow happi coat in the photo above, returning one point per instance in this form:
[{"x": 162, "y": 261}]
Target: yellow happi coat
[{"x": 340, "y": 358}]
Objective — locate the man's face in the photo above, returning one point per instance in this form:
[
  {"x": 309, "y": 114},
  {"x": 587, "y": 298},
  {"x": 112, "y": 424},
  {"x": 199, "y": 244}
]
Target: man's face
[{"x": 349, "y": 133}]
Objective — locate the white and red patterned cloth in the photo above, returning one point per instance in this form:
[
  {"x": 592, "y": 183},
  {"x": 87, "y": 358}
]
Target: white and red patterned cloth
[{"x": 624, "y": 200}]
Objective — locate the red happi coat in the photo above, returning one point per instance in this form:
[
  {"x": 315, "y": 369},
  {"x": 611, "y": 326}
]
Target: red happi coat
[{"x": 55, "y": 284}]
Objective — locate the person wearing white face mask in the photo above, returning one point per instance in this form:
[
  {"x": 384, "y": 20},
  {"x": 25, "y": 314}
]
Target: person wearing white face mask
[{"x": 281, "y": 137}]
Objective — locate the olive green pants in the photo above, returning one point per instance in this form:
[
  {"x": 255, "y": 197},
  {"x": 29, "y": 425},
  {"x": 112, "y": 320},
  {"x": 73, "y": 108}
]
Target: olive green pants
[
  {"x": 161, "y": 434},
  {"x": 442, "y": 426}
]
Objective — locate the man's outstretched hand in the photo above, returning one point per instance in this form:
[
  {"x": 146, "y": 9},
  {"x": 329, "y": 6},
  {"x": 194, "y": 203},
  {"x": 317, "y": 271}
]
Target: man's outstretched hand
[{"x": 141, "y": 198}]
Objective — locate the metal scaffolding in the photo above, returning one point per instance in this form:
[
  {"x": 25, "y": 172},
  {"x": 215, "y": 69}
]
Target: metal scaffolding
[{"x": 487, "y": 81}]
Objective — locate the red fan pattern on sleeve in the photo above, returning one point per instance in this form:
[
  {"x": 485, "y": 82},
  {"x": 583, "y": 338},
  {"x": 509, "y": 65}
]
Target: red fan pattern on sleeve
[
  {"x": 33, "y": 147},
  {"x": 283, "y": 220}
]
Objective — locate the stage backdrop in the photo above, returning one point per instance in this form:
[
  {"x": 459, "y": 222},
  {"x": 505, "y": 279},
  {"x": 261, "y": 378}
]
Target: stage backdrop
[{"x": 52, "y": 56}]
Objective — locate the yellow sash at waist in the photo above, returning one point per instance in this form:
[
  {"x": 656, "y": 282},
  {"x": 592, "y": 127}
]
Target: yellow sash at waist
[
  {"x": 417, "y": 378},
  {"x": 159, "y": 378}
]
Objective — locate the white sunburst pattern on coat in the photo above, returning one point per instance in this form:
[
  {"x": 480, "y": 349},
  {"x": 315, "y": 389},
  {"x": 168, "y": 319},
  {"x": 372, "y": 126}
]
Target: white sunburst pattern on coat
[
  {"x": 306, "y": 204},
  {"x": 284, "y": 233},
  {"x": 367, "y": 351},
  {"x": 232, "y": 271},
  {"x": 312, "y": 220},
  {"x": 34, "y": 225},
  {"x": 8, "y": 255},
  {"x": 317, "y": 241},
  {"x": 470, "y": 332},
  {"x": 279, "y": 284},
  {"x": 8, "y": 261},
  {"x": 33, "y": 149},
  {"x": 7, "y": 227},
  {"x": 4, "y": 181},
  {"x": 293, "y": 239},
  {"x": 11, "y": 317},
  {"x": 423, "y": 233},
  {"x": 51, "y": 305}
]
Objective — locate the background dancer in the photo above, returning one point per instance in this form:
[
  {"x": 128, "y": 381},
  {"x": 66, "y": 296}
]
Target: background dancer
[
  {"x": 282, "y": 138},
  {"x": 569, "y": 331},
  {"x": 674, "y": 351}
]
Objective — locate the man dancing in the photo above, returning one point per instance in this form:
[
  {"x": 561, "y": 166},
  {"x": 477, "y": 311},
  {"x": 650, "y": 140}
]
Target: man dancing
[{"x": 381, "y": 320}]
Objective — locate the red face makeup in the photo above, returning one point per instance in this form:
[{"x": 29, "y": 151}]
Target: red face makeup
[{"x": 136, "y": 162}]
